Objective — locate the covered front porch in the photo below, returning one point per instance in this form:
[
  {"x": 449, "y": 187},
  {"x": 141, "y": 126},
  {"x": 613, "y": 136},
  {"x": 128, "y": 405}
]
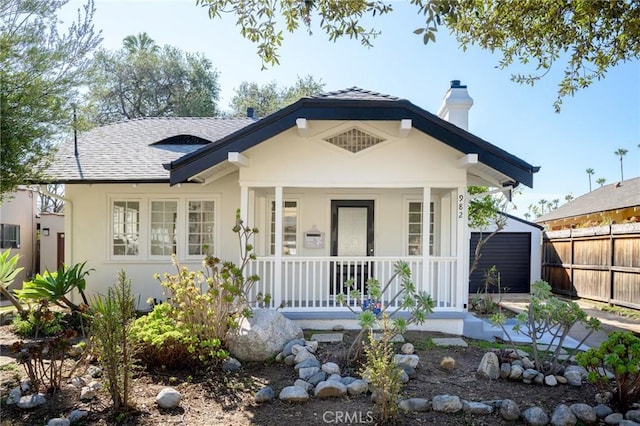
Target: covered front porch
[{"x": 313, "y": 240}]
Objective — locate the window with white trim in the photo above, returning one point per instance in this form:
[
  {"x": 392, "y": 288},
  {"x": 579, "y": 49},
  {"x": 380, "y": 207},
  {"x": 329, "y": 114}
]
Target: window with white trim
[
  {"x": 126, "y": 228},
  {"x": 9, "y": 236},
  {"x": 415, "y": 228},
  {"x": 290, "y": 228},
  {"x": 162, "y": 236},
  {"x": 201, "y": 227}
]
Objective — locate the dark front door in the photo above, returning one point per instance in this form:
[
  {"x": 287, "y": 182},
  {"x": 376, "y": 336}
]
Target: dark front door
[
  {"x": 60, "y": 249},
  {"x": 351, "y": 236}
]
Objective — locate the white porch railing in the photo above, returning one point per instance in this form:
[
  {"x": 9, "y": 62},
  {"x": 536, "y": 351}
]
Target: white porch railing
[{"x": 311, "y": 283}]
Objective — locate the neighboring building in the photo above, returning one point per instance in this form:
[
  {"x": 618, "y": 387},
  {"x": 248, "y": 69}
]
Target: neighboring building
[
  {"x": 51, "y": 242},
  {"x": 341, "y": 185},
  {"x": 514, "y": 251},
  {"x": 611, "y": 204},
  {"x": 18, "y": 230}
]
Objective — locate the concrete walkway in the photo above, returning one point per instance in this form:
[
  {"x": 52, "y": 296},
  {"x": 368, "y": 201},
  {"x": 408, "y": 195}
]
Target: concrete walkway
[{"x": 610, "y": 322}]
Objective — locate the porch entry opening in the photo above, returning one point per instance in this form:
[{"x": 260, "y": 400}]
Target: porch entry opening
[{"x": 351, "y": 236}]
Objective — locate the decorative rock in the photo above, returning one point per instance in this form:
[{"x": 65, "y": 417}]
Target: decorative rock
[
  {"x": 411, "y": 372},
  {"x": 77, "y": 415},
  {"x": 294, "y": 394},
  {"x": 489, "y": 367},
  {"x": 317, "y": 378},
  {"x": 305, "y": 385},
  {"x": 338, "y": 327},
  {"x": 311, "y": 345},
  {"x": 404, "y": 377},
  {"x": 168, "y": 398},
  {"x": 78, "y": 382},
  {"x": 14, "y": 396},
  {"x": 613, "y": 419},
  {"x": 30, "y": 401},
  {"x": 302, "y": 355},
  {"x": 505, "y": 370},
  {"x": 357, "y": 387},
  {"x": 25, "y": 385},
  {"x": 539, "y": 379},
  {"x": 279, "y": 357},
  {"x": 330, "y": 388},
  {"x": 473, "y": 407},
  {"x": 527, "y": 363},
  {"x": 306, "y": 373},
  {"x": 602, "y": 410},
  {"x": 348, "y": 380},
  {"x": 309, "y": 362},
  {"x": 58, "y": 421},
  {"x": 335, "y": 377},
  {"x": 561, "y": 380},
  {"x": 290, "y": 359},
  {"x": 584, "y": 412},
  {"x": 574, "y": 378},
  {"x": 407, "y": 349},
  {"x": 446, "y": 403},
  {"x": 628, "y": 423},
  {"x": 95, "y": 385},
  {"x": 603, "y": 397},
  {"x": 87, "y": 393},
  {"x": 529, "y": 374},
  {"x": 265, "y": 394},
  {"x": 562, "y": 416},
  {"x": 286, "y": 350},
  {"x": 295, "y": 349},
  {"x": 509, "y": 410},
  {"x": 410, "y": 360},
  {"x": 263, "y": 335},
  {"x": 633, "y": 415},
  {"x": 516, "y": 372},
  {"x": 414, "y": 405},
  {"x": 535, "y": 416},
  {"x": 581, "y": 370},
  {"x": 94, "y": 371},
  {"x": 550, "y": 380},
  {"x": 331, "y": 368},
  {"x": 231, "y": 364}
]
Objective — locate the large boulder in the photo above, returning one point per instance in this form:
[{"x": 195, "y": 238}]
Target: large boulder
[{"x": 263, "y": 335}]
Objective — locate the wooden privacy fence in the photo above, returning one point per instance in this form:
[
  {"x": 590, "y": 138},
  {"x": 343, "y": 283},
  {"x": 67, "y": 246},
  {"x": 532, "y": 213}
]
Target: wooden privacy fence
[{"x": 600, "y": 263}]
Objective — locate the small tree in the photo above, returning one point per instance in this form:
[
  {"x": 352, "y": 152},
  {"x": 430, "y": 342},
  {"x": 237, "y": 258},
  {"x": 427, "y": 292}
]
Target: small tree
[
  {"x": 484, "y": 211},
  {"x": 111, "y": 327}
]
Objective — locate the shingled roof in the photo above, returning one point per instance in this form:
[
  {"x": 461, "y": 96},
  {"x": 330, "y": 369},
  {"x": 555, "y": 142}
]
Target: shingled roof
[
  {"x": 134, "y": 150},
  {"x": 609, "y": 197}
]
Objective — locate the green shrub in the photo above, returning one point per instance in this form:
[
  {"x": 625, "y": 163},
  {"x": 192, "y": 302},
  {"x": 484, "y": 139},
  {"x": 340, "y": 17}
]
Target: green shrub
[
  {"x": 547, "y": 315},
  {"x": 619, "y": 354},
  {"x": 39, "y": 321},
  {"x": 163, "y": 343}
]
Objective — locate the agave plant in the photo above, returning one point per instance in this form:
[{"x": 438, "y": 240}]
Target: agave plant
[
  {"x": 8, "y": 271},
  {"x": 54, "y": 286}
]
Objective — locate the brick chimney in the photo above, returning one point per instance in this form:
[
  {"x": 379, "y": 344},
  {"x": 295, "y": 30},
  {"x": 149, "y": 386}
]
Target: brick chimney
[{"x": 456, "y": 105}]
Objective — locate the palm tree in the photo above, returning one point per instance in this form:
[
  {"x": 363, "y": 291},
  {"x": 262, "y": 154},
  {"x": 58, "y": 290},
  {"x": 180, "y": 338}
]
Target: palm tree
[
  {"x": 556, "y": 201},
  {"x": 140, "y": 43},
  {"x": 621, "y": 152},
  {"x": 601, "y": 181},
  {"x": 568, "y": 197},
  {"x": 527, "y": 216},
  {"x": 542, "y": 203},
  {"x": 590, "y": 172}
]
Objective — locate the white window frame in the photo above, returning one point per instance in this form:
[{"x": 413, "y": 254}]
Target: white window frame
[
  {"x": 176, "y": 236},
  {"x": 216, "y": 231},
  {"x": 141, "y": 237},
  {"x": 432, "y": 227},
  {"x": 271, "y": 224},
  {"x": 6, "y": 243}
]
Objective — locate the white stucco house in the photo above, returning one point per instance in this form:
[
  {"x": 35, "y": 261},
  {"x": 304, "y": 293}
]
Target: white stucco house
[{"x": 341, "y": 185}]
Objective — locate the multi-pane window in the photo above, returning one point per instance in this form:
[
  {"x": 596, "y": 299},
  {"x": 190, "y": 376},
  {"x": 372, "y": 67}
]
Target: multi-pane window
[
  {"x": 9, "y": 236},
  {"x": 290, "y": 228},
  {"x": 201, "y": 216},
  {"x": 416, "y": 225},
  {"x": 126, "y": 228},
  {"x": 163, "y": 227}
]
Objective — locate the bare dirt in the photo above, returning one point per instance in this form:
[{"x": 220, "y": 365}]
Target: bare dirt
[{"x": 216, "y": 398}]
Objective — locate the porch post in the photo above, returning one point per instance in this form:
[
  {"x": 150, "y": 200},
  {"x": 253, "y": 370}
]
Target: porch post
[
  {"x": 277, "y": 264},
  {"x": 462, "y": 247},
  {"x": 427, "y": 285},
  {"x": 244, "y": 204}
]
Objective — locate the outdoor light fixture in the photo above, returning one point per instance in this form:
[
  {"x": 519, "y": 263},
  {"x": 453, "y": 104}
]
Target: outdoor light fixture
[{"x": 45, "y": 232}]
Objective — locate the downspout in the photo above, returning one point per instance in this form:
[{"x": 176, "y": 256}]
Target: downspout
[{"x": 43, "y": 190}]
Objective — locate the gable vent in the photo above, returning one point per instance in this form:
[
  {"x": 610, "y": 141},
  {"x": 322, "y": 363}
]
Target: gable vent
[{"x": 354, "y": 140}]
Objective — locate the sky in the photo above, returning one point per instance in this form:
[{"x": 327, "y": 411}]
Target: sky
[{"x": 517, "y": 118}]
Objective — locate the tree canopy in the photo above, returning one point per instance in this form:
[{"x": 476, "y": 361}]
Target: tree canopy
[
  {"x": 587, "y": 36},
  {"x": 143, "y": 80},
  {"x": 40, "y": 72},
  {"x": 269, "y": 98}
]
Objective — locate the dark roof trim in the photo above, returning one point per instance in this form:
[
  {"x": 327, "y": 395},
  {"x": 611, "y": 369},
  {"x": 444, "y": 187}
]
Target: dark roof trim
[
  {"x": 103, "y": 181},
  {"x": 351, "y": 109}
]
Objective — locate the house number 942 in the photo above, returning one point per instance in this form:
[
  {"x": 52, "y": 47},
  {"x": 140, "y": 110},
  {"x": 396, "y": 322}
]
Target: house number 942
[{"x": 460, "y": 206}]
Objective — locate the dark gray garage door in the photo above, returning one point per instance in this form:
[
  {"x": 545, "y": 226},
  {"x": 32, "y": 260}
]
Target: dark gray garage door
[{"x": 510, "y": 252}]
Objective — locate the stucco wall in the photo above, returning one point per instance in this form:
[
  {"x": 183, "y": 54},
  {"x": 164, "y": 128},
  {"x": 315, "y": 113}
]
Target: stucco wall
[
  {"x": 21, "y": 210},
  {"x": 49, "y": 243}
]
